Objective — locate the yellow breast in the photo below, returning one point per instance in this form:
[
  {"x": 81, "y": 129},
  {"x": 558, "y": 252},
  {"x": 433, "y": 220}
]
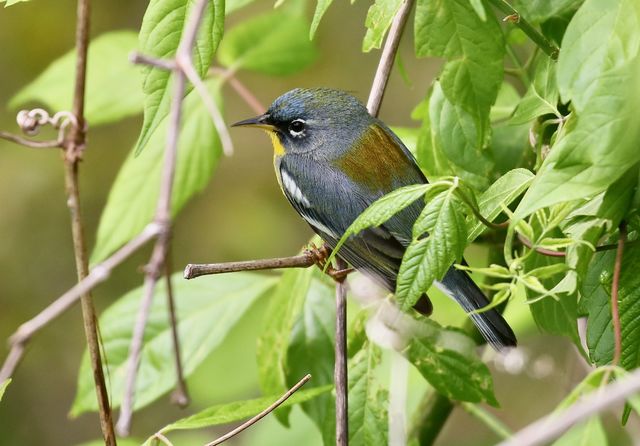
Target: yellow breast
[{"x": 278, "y": 148}]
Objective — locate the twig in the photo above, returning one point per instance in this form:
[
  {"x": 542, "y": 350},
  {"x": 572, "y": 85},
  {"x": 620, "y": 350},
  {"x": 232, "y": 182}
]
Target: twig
[
  {"x": 304, "y": 260},
  {"x": 144, "y": 59},
  {"x": 245, "y": 94},
  {"x": 340, "y": 366},
  {"x": 262, "y": 414},
  {"x": 74, "y": 146},
  {"x": 180, "y": 395},
  {"x": 50, "y": 144},
  {"x": 212, "y": 108},
  {"x": 545, "y": 252},
  {"x": 163, "y": 211},
  {"x": 496, "y": 426},
  {"x": 477, "y": 213},
  {"x": 514, "y": 17},
  {"x": 98, "y": 274},
  {"x": 547, "y": 428},
  {"x": 615, "y": 314},
  {"x": 388, "y": 56}
]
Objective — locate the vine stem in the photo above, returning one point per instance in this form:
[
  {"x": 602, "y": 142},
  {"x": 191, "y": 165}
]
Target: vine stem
[
  {"x": 514, "y": 17},
  {"x": 340, "y": 376},
  {"x": 163, "y": 212},
  {"x": 262, "y": 414}
]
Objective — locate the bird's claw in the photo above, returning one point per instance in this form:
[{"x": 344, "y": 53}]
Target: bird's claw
[{"x": 320, "y": 256}]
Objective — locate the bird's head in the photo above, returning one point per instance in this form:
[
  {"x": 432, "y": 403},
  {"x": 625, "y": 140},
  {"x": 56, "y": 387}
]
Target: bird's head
[{"x": 321, "y": 121}]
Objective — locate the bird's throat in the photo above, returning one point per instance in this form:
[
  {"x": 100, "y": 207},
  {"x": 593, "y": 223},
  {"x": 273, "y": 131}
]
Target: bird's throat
[{"x": 278, "y": 148}]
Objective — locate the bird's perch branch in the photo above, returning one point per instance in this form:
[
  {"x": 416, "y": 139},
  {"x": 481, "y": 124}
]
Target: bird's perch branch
[
  {"x": 304, "y": 260},
  {"x": 262, "y": 414}
]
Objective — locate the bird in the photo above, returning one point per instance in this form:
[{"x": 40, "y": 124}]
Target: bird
[{"x": 332, "y": 160}]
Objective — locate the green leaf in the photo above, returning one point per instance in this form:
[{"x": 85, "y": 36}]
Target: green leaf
[
  {"x": 382, "y": 210},
  {"x": 234, "y": 5},
  {"x": 274, "y": 43},
  {"x": 551, "y": 315},
  {"x": 108, "y": 71},
  {"x": 599, "y": 71},
  {"x": 134, "y": 194},
  {"x": 428, "y": 259},
  {"x": 160, "y": 34},
  {"x": 207, "y": 309},
  {"x": 474, "y": 50},
  {"x": 587, "y": 433},
  {"x": 453, "y": 374},
  {"x": 368, "y": 424},
  {"x": 455, "y": 133},
  {"x": 378, "y": 21},
  {"x": 3, "y": 387},
  {"x": 596, "y": 300},
  {"x": 478, "y": 7},
  {"x": 506, "y": 102},
  {"x": 238, "y": 410},
  {"x": 538, "y": 11},
  {"x": 541, "y": 97},
  {"x": 12, "y": 2},
  {"x": 311, "y": 349},
  {"x": 272, "y": 347},
  {"x": 321, "y": 8}
]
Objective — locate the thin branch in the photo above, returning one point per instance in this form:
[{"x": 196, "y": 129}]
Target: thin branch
[
  {"x": 514, "y": 17},
  {"x": 493, "y": 423},
  {"x": 477, "y": 213},
  {"x": 552, "y": 426},
  {"x": 212, "y": 108},
  {"x": 545, "y": 252},
  {"x": 387, "y": 58},
  {"x": 245, "y": 94},
  {"x": 144, "y": 59},
  {"x": 262, "y": 414},
  {"x": 74, "y": 146},
  {"x": 50, "y": 144},
  {"x": 163, "y": 211},
  {"x": 98, "y": 274},
  {"x": 180, "y": 395},
  {"x": 340, "y": 365},
  {"x": 304, "y": 260},
  {"x": 615, "y": 314}
]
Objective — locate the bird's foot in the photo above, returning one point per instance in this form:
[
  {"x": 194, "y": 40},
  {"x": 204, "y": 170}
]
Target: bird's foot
[{"x": 320, "y": 256}]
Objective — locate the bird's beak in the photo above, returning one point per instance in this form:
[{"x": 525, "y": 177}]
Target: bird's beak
[{"x": 261, "y": 122}]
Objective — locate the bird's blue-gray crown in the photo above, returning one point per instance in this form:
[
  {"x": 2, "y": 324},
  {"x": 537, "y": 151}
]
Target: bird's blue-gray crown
[{"x": 318, "y": 120}]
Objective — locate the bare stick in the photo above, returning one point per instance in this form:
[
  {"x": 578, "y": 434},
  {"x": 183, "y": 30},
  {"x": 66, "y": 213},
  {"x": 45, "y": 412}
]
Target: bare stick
[
  {"x": 547, "y": 428},
  {"x": 98, "y": 274},
  {"x": 340, "y": 366},
  {"x": 51, "y": 144},
  {"x": 212, "y": 108},
  {"x": 615, "y": 314},
  {"x": 74, "y": 146},
  {"x": 304, "y": 260},
  {"x": 163, "y": 211},
  {"x": 388, "y": 56},
  {"x": 244, "y": 93},
  {"x": 262, "y": 414},
  {"x": 180, "y": 395},
  {"x": 144, "y": 59}
]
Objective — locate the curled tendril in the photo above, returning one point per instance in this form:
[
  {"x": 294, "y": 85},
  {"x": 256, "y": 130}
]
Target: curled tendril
[{"x": 31, "y": 121}]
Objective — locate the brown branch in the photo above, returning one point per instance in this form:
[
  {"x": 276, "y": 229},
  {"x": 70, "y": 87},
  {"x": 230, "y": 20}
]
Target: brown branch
[
  {"x": 74, "y": 145},
  {"x": 387, "y": 58},
  {"x": 98, "y": 274},
  {"x": 245, "y": 94},
  {"x": 304, "y": 260},
  {"x": 262, "y": 414},
  {"x": 340, "y": 366},
  {"x": 144, "y": 59},
  {"x": 180, "y": 395},
  {"x": 163, "y": 211},
  {"x": 615, "y": 314}
]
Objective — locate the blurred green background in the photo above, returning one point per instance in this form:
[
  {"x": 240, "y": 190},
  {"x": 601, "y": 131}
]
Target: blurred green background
[{"x": 240, "y": 215}]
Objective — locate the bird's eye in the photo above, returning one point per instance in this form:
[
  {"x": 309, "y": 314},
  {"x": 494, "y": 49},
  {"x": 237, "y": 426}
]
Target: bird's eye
[{"x": 296, "y": 127}]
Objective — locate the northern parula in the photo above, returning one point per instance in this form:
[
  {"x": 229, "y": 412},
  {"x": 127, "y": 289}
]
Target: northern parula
[{"x": 332, "y": 160}]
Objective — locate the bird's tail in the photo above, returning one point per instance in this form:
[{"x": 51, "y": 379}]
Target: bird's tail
[{"x": 458, "y": 285}]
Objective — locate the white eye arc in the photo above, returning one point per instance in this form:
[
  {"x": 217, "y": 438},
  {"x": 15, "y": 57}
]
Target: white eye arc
[{"x": 297, "y": 128}]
